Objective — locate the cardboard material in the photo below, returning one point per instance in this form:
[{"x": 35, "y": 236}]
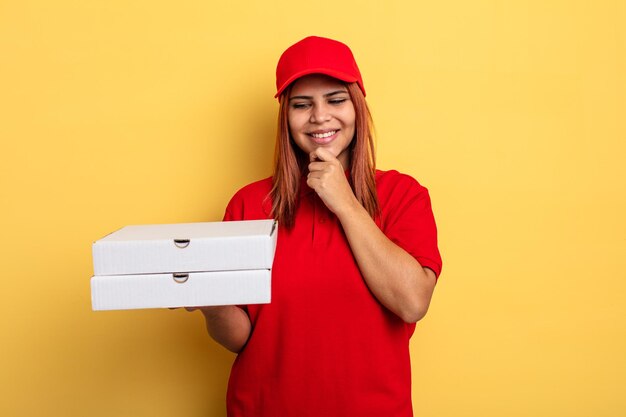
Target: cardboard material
[
  {"x": 184, "y": 265},
  {"x": 122, "y": 292},
  {"x": 186, "y": 247}
]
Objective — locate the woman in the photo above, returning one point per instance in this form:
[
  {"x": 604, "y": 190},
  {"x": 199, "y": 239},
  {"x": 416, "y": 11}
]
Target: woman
[{"x": 355, "y": 265}]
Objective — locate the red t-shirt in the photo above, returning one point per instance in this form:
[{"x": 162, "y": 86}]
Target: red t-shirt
[{"x": 325, "y": 346}]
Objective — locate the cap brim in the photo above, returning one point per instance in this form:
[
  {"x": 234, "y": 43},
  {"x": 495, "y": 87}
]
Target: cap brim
[{"x": 331, "y": 73}]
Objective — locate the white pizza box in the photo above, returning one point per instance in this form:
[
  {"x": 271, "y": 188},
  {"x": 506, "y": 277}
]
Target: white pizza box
[
  {"x": 123, "y": 292},
  {"x": 186, "y": 247}
]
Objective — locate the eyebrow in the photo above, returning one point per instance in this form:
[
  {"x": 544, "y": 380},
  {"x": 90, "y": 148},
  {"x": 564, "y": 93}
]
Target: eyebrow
[{"x": 332, "y": 93}]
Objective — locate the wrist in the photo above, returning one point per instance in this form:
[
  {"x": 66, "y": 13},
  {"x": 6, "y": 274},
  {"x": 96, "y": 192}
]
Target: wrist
[{"x": 350, "y": 210}]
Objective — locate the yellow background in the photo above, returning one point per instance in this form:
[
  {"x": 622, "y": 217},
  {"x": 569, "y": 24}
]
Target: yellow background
[{"x": 127, "y": 112}]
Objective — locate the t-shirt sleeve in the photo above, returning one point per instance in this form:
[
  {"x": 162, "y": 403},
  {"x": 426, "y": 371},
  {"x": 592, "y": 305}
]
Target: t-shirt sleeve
[
  {"x": 251, "y": 202},
  {"x": 408, "y": 221},
  {"x": 234, "y": 210}
]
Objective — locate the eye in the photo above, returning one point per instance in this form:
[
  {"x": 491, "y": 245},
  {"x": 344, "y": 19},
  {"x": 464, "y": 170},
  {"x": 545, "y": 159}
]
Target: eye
[
  {"x": 299, "y": 105},
  {"x": 337, "y": 101}
]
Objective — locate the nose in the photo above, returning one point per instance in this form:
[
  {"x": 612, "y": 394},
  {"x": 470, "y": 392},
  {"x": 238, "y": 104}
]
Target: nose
[{"x": 320, "y": 113}]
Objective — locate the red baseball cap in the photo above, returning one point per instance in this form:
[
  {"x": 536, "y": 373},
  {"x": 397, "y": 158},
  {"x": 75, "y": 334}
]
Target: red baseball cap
[{"x": 316, "y": 55}]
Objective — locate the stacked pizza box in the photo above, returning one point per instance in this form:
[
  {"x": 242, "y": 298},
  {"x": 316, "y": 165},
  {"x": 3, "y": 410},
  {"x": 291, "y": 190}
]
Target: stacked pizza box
[{"x": 184, "y": 265}]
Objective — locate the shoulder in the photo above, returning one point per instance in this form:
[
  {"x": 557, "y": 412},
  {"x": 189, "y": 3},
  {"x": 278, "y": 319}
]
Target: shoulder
[
  {"x": 406, "y": 217},
  {"x": 401, "y": 196},
  {"x": 251, "y": 201},
  {"x": 255, "y": 189},
  {"x": 394, "y": 185}
]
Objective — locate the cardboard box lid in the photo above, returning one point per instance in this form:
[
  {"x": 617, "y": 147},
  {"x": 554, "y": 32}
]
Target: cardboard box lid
[{"x": 186, "y": 247}]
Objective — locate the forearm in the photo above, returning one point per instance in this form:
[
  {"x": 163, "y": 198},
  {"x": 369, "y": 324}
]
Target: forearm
[
  {"x": 395, "y": 277},
  {"x": 228, "y": 325}
]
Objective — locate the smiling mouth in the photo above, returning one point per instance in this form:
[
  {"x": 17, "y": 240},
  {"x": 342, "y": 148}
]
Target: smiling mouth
[
  {"x": 323, "y": 135},
  {"x": 322, "y": 138}
]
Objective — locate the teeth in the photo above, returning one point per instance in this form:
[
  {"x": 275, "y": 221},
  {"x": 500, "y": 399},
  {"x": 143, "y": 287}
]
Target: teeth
[{"x": 323, "y": 135}]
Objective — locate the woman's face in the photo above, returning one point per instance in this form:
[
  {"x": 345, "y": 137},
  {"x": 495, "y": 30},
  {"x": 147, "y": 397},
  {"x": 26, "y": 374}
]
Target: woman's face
[{"x": 321, "y": 114}]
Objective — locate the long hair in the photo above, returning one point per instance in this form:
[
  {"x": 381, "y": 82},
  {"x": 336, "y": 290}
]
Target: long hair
[{"x": 290, "y": 162}]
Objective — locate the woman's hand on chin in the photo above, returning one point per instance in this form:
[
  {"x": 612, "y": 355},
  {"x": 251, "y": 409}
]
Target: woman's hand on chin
[{"x": 327, "y": 177}]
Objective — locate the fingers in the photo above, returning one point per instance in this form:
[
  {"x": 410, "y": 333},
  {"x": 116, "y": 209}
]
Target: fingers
[
  {"x": 321, "y": 174},
  {"x": 203, "y": 309},
  {"x": 322, "y": 160},
  {"x": 322, "y": 154},
  {"x": 186, "y": 308},
  {"x": 317, "y": 166},
  {"x": 319, "y": 170}
]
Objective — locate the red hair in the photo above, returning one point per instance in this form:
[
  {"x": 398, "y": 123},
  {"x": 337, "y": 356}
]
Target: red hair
[{"x": 290, "y": 162}]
